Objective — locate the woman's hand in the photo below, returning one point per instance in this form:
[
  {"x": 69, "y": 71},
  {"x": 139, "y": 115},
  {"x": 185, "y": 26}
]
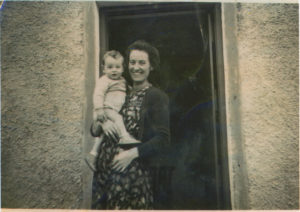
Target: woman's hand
[
  {"x": 124, "y": 158},
  {"x": 110, "y": 129}
]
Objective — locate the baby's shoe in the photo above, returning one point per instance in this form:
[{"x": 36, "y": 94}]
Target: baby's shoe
[{"x": 128, "y": 140}]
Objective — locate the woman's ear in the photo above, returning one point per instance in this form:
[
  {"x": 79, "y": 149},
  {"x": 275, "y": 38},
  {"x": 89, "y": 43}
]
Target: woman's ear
[{"x": 151, "y": 68}]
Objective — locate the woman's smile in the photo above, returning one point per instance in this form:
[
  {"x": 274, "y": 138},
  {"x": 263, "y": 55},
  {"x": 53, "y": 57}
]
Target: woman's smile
[
  {"x": 139, "y": 66},
  {"x": 137, "y": 73}
]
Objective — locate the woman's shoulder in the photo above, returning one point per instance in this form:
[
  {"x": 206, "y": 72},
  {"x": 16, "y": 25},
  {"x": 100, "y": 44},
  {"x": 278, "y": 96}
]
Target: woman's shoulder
[{"x": 154, "y": 93}]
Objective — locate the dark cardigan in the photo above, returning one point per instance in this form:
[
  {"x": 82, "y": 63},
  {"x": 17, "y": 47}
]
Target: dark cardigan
[{"x": 154, "y": 124}]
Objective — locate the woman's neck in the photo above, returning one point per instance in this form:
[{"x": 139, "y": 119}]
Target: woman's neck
[{"x": 140, "y": 85}]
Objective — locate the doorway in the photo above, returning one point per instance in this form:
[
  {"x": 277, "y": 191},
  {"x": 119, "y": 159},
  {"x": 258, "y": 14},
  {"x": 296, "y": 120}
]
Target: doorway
[{"x": 188, "y": 38}]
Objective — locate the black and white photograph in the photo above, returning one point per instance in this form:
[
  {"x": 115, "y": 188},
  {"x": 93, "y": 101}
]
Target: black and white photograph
[{"x": 149, "y": 105}]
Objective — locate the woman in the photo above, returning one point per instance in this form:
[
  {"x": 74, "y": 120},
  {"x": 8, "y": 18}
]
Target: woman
[{"x": 122, "y": 179}]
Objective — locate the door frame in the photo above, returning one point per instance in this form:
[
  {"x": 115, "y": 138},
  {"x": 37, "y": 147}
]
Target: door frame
[{"x": 133, "y": 9}]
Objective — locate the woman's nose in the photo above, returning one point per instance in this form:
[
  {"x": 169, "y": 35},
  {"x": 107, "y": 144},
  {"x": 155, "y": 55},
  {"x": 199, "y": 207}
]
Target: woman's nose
[{"x": 135, "y": 67}]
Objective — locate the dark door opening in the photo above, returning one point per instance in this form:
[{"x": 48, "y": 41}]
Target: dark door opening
[{"x": 184, "y": 34}]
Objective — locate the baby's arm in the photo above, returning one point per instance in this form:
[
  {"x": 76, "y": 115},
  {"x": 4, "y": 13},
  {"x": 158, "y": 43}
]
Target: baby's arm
[{"x": 98, "y": 98}]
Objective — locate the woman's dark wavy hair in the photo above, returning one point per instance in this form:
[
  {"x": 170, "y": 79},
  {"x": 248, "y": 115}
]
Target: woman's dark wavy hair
[{"x": 142, "y": 45}]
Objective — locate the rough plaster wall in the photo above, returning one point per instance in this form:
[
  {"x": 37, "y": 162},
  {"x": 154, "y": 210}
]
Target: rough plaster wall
[
  {"x": 42, "y": 104},
  {"x": 267, "y": 50}
]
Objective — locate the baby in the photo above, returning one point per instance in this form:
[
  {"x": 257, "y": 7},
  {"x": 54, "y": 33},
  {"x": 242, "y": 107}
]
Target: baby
[{"x": 109, "y": 97}]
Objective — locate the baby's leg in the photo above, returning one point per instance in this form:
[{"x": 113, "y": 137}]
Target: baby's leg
[
  {"x": 118, "y": 120},
  {"x": 95, "y": 148},
  {"x": 90, "y": 159},
  {"x": 124, "y": 136}
]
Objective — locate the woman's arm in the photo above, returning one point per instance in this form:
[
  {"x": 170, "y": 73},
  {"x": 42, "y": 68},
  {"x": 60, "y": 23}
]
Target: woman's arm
[{"x": 158, "y": 115}]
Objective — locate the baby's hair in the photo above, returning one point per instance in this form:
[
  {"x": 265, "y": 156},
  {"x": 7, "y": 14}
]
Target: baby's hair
[{"x": 114, "y": 54}]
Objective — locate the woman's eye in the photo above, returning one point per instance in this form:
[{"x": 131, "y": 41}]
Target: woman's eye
[
  {"x": 142, "y": 62},
  {"x": 132, "y": 62},
  {"x": 109, "y": 67}
]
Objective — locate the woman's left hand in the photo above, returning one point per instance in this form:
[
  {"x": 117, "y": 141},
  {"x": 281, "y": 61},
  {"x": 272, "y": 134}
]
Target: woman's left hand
[
  {"x": 110, "y": 129},
  {"x": 124, "y": 158}
]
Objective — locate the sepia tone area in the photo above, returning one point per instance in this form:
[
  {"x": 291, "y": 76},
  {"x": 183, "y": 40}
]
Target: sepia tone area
[
  {"x": 49, "y": 53},
  {"x": 261, "y": 76},
  {"x": 42, "y": 59},
  {"x": 269, "y": 120}
]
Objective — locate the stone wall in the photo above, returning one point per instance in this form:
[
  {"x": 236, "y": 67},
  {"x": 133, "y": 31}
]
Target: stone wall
[
  {"x": 49, "y": 54},
  {"x": 261, "y": 70},
  {"x": 43, "y": 97}
]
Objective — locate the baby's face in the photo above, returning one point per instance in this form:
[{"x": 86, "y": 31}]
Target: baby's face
[{"x": 113, "y": 68}]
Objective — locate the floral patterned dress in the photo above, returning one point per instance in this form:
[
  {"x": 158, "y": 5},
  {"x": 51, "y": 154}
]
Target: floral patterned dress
[{"x": 131, "y": 188}]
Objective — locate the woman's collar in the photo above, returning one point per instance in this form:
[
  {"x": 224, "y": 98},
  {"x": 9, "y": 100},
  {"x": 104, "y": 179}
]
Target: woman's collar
[{"x": 134, "y": 90}]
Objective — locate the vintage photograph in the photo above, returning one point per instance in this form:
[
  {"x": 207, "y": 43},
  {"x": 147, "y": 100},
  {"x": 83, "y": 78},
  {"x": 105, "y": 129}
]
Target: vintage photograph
[
  {"x": 170, "y": 69},
  {"x": 121, "y": 105}
]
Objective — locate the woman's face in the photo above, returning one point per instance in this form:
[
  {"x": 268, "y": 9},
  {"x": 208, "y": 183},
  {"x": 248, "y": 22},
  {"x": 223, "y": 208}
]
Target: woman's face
[{"x": 139, "y": 66}]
